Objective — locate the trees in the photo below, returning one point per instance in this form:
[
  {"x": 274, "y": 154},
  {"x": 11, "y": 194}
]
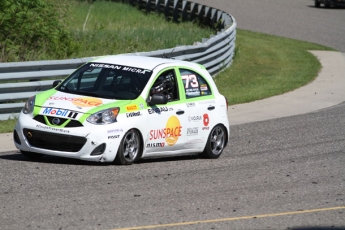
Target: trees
[{"x": 30, "y": 29}]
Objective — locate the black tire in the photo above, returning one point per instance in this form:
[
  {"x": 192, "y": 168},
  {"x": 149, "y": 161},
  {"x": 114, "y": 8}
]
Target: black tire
[
  {"x": 317, "y": 3},
  {"x": 327, "y": 5},
  {"x": 31, "y": 155},
  {"x": 215, "y": 142},
  {"x": 130, "y": 148}
]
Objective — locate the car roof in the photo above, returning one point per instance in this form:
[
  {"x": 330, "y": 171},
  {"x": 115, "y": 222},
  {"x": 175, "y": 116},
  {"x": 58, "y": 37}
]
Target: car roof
[{"x": 142, "y": 62}]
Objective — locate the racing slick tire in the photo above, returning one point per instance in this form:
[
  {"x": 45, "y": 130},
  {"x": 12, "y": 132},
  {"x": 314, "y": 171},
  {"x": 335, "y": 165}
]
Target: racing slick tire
[
  {"x": 317, "y": 3},
  {"x": 130, "y": 148},
  {"x": 215, "y": 143},
  {"x": 31, "y": 155}
]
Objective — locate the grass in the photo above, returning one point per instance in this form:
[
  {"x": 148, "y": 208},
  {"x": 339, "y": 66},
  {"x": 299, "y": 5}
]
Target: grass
[
  {"x": 104, "y": 28},
  {"x": 266, "y": 65},
  {"x": 263, "y": 66},
  {"x": 7, "y": 126}
]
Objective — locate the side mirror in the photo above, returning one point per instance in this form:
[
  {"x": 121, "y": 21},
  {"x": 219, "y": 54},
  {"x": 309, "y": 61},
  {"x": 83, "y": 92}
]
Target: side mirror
[
  {"x": 157, "y": 99},
  {"x": 56, "y": 83}
]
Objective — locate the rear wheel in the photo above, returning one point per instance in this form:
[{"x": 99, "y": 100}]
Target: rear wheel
[
  {"x": 31, "y": 155},
  {"x": 130, "y": 148},
  {"x": 215, "y": 142}
]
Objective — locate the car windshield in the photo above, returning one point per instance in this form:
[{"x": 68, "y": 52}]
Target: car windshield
[{"x": 106, "y": 81}]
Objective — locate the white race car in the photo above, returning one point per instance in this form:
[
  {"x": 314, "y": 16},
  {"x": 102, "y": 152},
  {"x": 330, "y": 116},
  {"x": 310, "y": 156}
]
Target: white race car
[{"x": 123, "y": 108}]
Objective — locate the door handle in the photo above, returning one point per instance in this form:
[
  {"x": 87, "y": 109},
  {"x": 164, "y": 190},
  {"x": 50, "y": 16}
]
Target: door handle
[
  {"x": 180, "y": 112},
  {"x": 211, "y": 108}
]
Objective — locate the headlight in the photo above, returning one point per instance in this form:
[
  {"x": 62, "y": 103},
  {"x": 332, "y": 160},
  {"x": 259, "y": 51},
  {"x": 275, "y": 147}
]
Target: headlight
[
  {"x": 29, "y": 105},
  {"x": 104, "y": 117}
]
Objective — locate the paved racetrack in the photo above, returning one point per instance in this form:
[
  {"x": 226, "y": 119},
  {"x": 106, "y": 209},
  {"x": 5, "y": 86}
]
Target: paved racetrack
[
  {"x": 297, "y": 19},
  {"x": 286, "y": 173}
]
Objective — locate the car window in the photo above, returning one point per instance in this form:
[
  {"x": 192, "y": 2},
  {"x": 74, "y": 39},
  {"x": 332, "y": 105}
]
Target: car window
[
  {"x": 107, "y": 81},
  {"x": 166, "y": 84},
  {"x": 194, "y": 84}
]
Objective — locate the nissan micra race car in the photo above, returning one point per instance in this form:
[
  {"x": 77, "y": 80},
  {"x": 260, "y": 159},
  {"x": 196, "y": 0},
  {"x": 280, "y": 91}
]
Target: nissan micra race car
[{"x": 123, "y": 108}]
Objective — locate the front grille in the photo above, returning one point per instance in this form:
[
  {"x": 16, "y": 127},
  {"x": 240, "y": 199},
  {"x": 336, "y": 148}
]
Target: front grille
[
  {"x": 71, "y": 124},
  {"x": 52, "y": 141}
]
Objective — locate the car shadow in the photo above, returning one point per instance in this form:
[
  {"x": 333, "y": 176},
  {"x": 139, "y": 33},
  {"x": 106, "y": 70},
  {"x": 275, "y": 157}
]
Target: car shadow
[
  {"x": 169, "y": 159},
  {"x": 317, "y": 228},
  {"x": 50, "y": 160},
  {"x": 328, "y": 8},
  {"x": 68, "y": 161}
]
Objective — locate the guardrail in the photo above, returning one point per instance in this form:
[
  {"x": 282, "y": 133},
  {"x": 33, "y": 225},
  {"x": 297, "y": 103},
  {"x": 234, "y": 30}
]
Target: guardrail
[{"x": 215, "y": 53}]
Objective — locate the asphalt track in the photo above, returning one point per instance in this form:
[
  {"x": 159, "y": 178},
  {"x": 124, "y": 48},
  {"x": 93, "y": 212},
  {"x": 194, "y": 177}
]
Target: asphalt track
[{"x": 281, "y": 173}]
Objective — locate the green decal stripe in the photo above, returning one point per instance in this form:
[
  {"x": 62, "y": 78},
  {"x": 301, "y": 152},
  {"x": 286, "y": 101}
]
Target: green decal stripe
[
  {"x": 41, "y": 98},
  {"x": 47, "y": 121},
  {"x": 200, "y": 98},
  {"x": 58, "y": 126},
  {"x": 120, "y": 104}
]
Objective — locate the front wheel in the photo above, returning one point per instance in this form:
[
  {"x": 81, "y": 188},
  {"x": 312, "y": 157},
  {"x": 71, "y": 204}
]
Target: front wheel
[
  {"x": 215, "y": 142},
  {"x": 317, "y": 3},
  {"x": 31, "y": 155},
  {"x": 130, "y": 148}
]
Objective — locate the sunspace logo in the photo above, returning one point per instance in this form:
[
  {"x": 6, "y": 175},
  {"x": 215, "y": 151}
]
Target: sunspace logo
[{"x": 60, "y": 112}]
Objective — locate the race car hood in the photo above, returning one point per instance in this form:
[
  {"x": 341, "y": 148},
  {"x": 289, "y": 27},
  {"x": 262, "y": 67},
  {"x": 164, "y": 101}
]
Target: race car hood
[{"x": 62, "y": 104}]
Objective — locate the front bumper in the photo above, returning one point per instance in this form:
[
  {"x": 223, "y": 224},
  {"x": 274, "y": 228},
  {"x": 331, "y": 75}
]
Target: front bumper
[{"x": 89, "y": 142}]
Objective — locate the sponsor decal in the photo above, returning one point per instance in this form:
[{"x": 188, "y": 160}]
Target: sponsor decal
[
  {"x": 80, "y": 101},
  {"x": 206, "y": 121},
  {"x": 170, "y": 133},
  {"x": 193, "y": 92},
  {"x": 207, "y": 102},
  {"x": 159, "y": 110},
  {"x": 190, "y": 104},
  {"x": 133, "y": 114},
  {"x": 59, "y": 112},
  {"x": 192, "y": 131},
  {"x": 52, "y": 128},
  {"x": 195, "y": 141},
  {"x": 124, "y": 68},
  {"x": 155, "y": 145},
  {"x": 113, "y": 137},
  {"x": 61, "y": 98},
  {"x": 131, "y": 108},
  {"x": 203, "y": 87},
  {"x": 115, "y": 131},
  {"x": 190, "y": 81},
  {"x": 141, "y": 105},
  {"x": 194, "y": 118},
  {"x": 87, "y": 102}
]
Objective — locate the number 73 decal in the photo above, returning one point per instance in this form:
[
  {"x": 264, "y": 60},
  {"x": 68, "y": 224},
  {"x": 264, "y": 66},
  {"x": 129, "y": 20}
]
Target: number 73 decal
[{"x": 191, "y": 78}]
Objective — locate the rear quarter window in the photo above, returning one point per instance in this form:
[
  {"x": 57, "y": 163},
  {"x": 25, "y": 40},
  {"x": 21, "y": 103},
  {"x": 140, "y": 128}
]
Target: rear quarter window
[{"x": 194, "y": 84}]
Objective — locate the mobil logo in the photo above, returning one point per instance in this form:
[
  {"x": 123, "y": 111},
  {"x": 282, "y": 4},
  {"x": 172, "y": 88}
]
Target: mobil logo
[{"x": 59, "y": 112}]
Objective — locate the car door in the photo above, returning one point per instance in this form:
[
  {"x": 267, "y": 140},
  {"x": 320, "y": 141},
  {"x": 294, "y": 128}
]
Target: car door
[
  {"x": 201, "y": 109},
  {"x": 166, "y": 122}
]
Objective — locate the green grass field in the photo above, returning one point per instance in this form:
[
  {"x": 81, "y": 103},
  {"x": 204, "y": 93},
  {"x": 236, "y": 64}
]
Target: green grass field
[
  {"x": 266, "y": 65},
  {"x": 263, "y": 66}
]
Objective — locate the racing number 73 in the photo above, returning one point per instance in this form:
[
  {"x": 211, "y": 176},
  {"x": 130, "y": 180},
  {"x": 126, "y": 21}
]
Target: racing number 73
[{"x": 191, "y": 78}]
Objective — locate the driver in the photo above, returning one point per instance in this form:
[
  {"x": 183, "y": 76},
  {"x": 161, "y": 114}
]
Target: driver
[{"x": 164, "y": 85}]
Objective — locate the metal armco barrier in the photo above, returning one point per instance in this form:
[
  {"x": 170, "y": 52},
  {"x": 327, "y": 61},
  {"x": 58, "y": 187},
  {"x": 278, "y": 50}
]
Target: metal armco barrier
[{"x": 215, "y": 53}]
